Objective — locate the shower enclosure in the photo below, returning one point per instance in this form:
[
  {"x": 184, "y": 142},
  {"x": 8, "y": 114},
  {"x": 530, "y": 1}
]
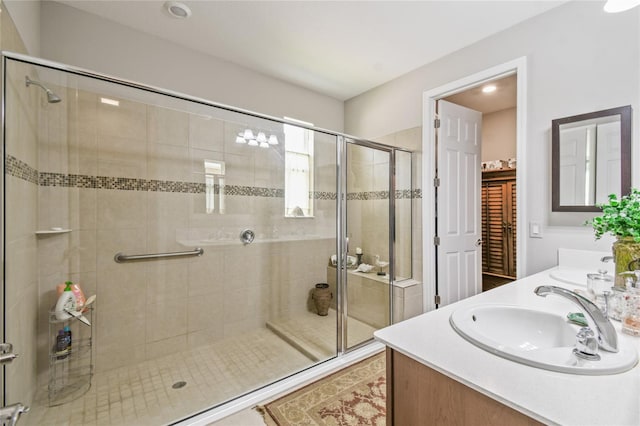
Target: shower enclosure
[{"x": 201, "y": 229}]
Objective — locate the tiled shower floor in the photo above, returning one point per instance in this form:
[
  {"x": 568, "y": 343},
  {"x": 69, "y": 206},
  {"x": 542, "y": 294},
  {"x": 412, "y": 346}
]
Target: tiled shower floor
[{"x": 142, "y": 394}]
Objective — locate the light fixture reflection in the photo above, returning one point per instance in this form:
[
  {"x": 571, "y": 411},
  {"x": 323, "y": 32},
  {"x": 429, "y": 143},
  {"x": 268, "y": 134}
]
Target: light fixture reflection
[
  {"x": 615, "y": 6},
  {"x": 108, "y": 101},
  {"x": 256, "y": 138},
  {"x": 248, "y": 134}
]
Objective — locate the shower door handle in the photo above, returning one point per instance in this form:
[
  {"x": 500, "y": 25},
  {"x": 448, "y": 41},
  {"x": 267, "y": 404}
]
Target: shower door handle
[
  {"x": 6, "y": 353},
  {"x": 10, "y": 414}
]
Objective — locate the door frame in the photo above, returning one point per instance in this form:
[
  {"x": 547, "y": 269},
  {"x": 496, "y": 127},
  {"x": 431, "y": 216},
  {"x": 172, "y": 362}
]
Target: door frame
[{"x": 429, "y": 98}]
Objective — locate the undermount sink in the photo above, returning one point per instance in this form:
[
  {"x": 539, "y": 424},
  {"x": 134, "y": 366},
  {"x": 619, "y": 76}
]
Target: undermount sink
[{"x": 535, "y": 338}]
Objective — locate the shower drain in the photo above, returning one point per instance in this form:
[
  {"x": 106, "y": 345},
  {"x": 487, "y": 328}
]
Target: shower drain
[{"x": 179, "y": 385}]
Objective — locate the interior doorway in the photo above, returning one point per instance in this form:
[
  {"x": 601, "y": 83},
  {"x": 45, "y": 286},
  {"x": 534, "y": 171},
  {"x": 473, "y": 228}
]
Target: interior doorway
[
  {"x": 496, "y": 101},
  {"x": 517, "y": 71}
]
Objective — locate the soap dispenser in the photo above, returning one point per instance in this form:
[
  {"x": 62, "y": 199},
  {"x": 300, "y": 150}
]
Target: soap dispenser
[{"x": 66, "y": 302}]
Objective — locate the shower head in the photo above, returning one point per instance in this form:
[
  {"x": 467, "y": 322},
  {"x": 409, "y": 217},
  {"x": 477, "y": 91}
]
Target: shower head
[{"x": 52, "y": 98}]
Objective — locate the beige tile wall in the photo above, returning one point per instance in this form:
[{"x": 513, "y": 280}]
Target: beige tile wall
[
  {"x": 20, "y": 263},
  {"x": 149, "y": 309},
  {"x": 368, "y": 220},
  {"x": 411, "y": 139}
]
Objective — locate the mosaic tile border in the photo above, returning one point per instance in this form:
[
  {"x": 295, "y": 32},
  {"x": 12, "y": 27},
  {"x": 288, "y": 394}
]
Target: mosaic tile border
[
  {"x": 368, "y": 195},
  {"x": 20, "y": 169}
]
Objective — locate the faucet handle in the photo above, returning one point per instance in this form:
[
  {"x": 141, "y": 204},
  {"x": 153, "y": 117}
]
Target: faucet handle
[{"x": 586, "y": 345}]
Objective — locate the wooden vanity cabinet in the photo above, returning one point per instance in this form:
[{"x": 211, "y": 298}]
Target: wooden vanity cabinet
[
  {"x": 418, "y": 395},
  {"x": 499, "y": 223}
]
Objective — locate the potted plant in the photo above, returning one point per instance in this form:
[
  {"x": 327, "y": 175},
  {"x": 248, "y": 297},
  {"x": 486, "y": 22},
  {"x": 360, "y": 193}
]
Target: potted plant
[{"x": 621, "y": 218}]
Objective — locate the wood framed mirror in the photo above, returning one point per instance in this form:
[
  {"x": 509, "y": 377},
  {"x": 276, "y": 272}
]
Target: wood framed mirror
[{"x": 591, "y": 158}]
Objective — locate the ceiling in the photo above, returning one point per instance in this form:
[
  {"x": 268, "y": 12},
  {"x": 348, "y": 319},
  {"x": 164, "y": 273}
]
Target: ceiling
[
  {"x": 505, "y": 96},
  {"x": 338, "y": 48}
]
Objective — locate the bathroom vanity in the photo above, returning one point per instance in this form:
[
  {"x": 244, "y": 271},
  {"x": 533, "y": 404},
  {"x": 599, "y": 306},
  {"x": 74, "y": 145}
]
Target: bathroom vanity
[{"x": 435, "y": 376}]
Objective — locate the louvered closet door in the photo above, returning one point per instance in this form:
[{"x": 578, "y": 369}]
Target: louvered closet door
[
  {"x": 512, "y": 216},
  {"x": 496, "y": 247},
  {"x": 485, "y": 234}
]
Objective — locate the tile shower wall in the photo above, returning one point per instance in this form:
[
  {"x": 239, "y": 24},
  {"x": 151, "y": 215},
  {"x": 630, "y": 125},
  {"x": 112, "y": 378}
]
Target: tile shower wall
[
  {"x": 368, "y": 205},
  {"x": 368, "y": 202},
  {"x": 21, "y": 279},
  {"x": 410, "y": 139},
  {"x": 20, "y": 263},
  {"x": 131, "y": 179}
]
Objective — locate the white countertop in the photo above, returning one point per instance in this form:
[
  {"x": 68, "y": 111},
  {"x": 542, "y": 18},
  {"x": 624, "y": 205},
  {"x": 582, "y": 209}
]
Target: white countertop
[{"x": 550, "y": 397}]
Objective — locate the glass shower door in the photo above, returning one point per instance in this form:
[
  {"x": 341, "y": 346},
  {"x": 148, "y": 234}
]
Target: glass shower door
[
  {"x": 204, "y": 316},
  {"x": 367, "y": 228}
]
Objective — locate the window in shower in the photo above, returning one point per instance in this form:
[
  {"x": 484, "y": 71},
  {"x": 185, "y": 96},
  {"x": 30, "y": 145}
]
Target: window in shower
[
  {"x": 298, "y": 171},
  {"x": 214, "y": 185}
]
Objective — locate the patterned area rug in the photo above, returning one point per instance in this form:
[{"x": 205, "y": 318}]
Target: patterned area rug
[{"x": 355, "y": 395}]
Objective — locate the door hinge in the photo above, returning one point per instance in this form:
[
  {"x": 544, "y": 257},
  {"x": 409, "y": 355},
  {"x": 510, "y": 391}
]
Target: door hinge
[
  {"x": 436, "y": 182},
  {"x": 436, "y": 123},
  {"x": 436, "y": 299},
  {"x": 436, "y": 240}
]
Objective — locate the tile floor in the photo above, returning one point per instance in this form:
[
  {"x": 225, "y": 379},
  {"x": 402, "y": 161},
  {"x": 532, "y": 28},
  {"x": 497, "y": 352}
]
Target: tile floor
[{"x": 142, "y": 394}]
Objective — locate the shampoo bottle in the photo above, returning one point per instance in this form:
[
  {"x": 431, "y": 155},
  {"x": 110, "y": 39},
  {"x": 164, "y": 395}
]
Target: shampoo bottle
[
  {"x": 66, "y": 302},
  {"x": 61, "y": 345},
  {"x": 67, "y": 335}
]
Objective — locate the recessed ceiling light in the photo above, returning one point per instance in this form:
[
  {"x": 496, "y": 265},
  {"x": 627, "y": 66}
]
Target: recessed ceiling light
[
  {"x": 488, "y": 89},
  {"x": 177, "y": 9}
]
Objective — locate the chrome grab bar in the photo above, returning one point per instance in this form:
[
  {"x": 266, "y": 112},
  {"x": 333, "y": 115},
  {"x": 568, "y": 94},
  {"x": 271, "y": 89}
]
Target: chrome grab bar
[{"x": 121, "y": 257}]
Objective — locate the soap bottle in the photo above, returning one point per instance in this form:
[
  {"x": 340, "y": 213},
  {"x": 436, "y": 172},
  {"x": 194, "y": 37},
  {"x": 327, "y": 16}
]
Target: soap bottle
[
  {"x": 67, "y": 335},
  {"x": 77, "y": 291},
  {"x": 66, "y": 302},
  {"x": 61, "y": 345}
]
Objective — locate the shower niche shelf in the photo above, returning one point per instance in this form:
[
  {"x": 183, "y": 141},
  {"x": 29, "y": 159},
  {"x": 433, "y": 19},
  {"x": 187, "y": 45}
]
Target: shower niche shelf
[{"x": 70, "y": 371}]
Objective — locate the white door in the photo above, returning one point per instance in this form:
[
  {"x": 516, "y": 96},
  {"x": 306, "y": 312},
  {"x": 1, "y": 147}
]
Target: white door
[
  {"x": 459, "y": 254},
  {"x": 577, "y": 167},
  {"x": 608, "y": 161}
]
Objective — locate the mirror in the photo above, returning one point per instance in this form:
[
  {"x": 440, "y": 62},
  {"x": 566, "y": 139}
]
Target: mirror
[{"x": 591, "y": 158}]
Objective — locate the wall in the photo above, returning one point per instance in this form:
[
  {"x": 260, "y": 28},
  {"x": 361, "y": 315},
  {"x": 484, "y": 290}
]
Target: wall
[
  {"x": 579, "y": 59},
  {"x": 26, "y": 16},
  {"x": 499, "y": 135},
  {"x": 77, "y": 38}
]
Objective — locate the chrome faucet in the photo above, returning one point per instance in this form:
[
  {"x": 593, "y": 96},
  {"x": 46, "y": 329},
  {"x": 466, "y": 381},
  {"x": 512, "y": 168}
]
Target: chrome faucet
[
  {"x": 606, "y": 259},
  {"x": 10, "y": 414},
  {"x": 604, "y": 332}
]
